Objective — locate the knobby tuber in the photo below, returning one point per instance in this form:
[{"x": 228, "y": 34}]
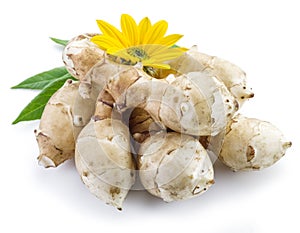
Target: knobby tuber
[
  {"x": 174, "y": 166},
  {"x": 191, "y": 104},
  {"x": 80, "y": 55},
  {"x": 104, "y": 161},
  {"x": 252, "y": 144},
  {"x": 132, "y": 88},
  {"x": 176, "y": 118},
  {"x": 231, "y": 75},
  {"x": 65, "y": 114},
  {"x": 103, "y": 156}
]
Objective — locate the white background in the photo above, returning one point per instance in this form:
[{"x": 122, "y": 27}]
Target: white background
[{"x": 262, "y": 37}]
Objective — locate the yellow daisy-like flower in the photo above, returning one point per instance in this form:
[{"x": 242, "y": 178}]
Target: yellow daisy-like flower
[{"x": 143, "y": 42}]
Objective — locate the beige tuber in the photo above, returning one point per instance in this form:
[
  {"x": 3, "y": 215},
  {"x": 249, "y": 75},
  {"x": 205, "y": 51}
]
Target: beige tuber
[
  {"x": 80, "y": 55},
  {"x": 252, "y": 144},
  {"x": 103, "y": 155},
  {"x": 174, "y": 166},
  {"x": 176, "y": 120},
  {"x": 231, "y": 75},
  {"x": 63, "y": 118}
]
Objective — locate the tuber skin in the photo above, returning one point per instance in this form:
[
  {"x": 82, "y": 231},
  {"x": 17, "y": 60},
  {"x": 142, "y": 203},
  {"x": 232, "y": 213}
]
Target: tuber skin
[
  {"x": 97, "y": 77},
  {"x": 195, "y": 117},
  {"x": 252, "y": 144},
  {"x": 80, "y": 55},
  {"x": 231, "y": 75},
  {"x": 171, "y": 166},
  {"x": 142, "y": 125},
  {"x": 132, "y": 88},
  {"x": 104, "y": 162},
  {"x": 128, "y": 89},
  {"x": 63, "y": 118},
  {"x": 205, "y": 105},
  {"x": 174, "y": 166},
  {"x": 103, "y": 155},
  {"x": 191, "y": 104},
  {"x": 176, "y": 122}
]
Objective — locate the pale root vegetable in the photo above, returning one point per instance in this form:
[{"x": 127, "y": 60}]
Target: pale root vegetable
[
  {"x": 87, "y": 62},
  {"x": 199, "y": 104},
  {"x": 231, "y": 75},
  {"x": 132, "y": 88},
  {"x": 195, "y": 103},
  {"x": 103, "y": 155},
  {"x": 80, "y": 55},
  {"x": 104, "y": 161},
  {"x": 174, "y": 166},
  {"x": 97, "y": 77},
  {"x": 63, "y": 118},
  {"x": 187, "y": 170},
  {"x": 252, "y": 144}
]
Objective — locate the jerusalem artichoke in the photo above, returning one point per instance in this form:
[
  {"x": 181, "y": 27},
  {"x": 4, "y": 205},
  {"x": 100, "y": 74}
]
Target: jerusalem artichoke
[
  {"x": 174, "y": 166},
  {"x": 252, "y": 144},
  {"x": 231, "y": 75},
  {"x": 63, "y": 118}
]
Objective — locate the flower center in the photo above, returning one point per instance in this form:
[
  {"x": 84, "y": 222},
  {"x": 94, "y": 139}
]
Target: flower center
[{"x": 138, "y": 53}]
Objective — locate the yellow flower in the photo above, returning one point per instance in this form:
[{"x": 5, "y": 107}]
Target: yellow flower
[{"x": 145, "y": 43}]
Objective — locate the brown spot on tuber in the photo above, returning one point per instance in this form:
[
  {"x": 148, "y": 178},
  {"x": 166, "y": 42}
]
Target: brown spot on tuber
[
  {"x": 85, "y": 173},
  {"x": 236, "y": 105},
  {"x": 175, "y": 99},
  {"x": 287, "y": 145},
  {"x": 251, "y": 95},
  {"x": 114, "y": 191},
  {"x": 210, "y": 182},
  {"x": 250, "y": 154},
  {"x": 205, "y": 140}
]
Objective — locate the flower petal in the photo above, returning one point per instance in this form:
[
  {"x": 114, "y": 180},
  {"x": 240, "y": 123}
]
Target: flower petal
[
  {"x": 130, "y": 29},
  {"x": 106, "y": 42},
  {"x": 167, "y": 55},
  {"x": 151, "y": 49},
  {"x": 144, "y": 42},
  {"x": 156, "y": 65},
  {"x": 144, "y": 27},
  {"x": 113, "y": 50},
  {"x": 158, "y": 30},
  {"x": 123, "y": 54},
  {"x": 170, "y": 39},
  {"x": 109, "y": 30}
]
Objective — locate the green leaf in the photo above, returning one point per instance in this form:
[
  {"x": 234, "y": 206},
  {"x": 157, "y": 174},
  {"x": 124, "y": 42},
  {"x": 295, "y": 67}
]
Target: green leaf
[
  {"x": 35, "y": 108},
  {"x": 59, "y": 41},
  {"x": 39, "y": 81}
]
